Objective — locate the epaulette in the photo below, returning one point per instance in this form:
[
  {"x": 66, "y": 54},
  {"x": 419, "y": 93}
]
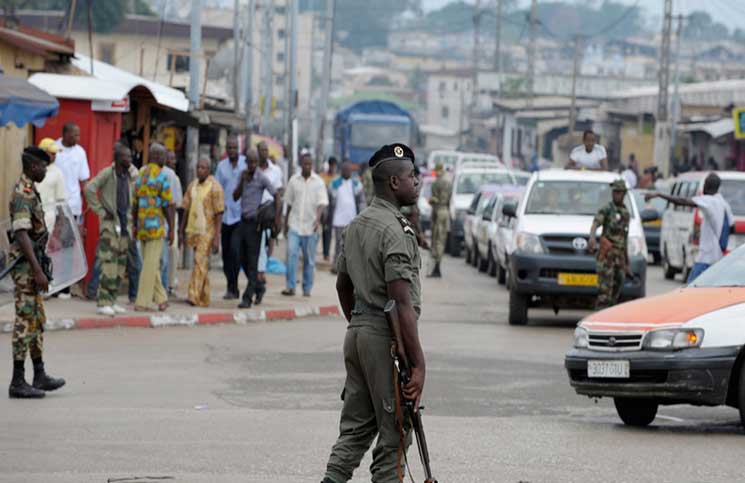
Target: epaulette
[{"x": 406, "y": 225}]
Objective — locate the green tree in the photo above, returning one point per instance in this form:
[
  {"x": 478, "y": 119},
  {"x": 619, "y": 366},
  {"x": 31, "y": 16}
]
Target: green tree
[{"x": 700, "y": 26}]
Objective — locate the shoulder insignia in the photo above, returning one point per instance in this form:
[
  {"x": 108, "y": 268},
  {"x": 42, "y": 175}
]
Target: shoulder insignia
[{"x": 406, "y": 225}]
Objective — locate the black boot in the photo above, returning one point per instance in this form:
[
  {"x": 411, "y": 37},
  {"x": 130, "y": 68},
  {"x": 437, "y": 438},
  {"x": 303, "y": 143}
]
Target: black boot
[
  {"x": 436, "y": 271},
  {"x": 19, "y": 388},
  {"x": 43, "y": 381}
]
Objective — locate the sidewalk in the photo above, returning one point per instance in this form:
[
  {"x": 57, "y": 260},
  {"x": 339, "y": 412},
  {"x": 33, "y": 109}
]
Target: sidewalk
[{"x": 76, "y": 313}]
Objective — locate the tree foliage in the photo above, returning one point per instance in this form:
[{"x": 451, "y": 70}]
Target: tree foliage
[
  {"x": 107, "y": 14},
  {"x": 365, "y": 23},
  {"x": 700, "y": 26}
]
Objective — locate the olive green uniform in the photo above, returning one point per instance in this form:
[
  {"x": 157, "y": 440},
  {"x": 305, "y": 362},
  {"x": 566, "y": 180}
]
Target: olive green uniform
[
  {"x": 440, "y": 201},
  {"x": 26, "y": 213},
  {"x": 379, "y": 247},
  {"x": 611, "y": 264}
]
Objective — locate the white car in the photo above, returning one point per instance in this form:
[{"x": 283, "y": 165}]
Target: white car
[
  {"x": 468, "y": 179},
  {"x": 684, "y": 347},
  {"x": 503, "y": 240},
  {"x": 425, "y": 209},
  {"x": 452, "y": 160},
  {"x": 550, "y": 265},
  {"x": 473, "y": 218},
  {"x": 681, "y": 225},
  {"x": 487, "y": 230}
]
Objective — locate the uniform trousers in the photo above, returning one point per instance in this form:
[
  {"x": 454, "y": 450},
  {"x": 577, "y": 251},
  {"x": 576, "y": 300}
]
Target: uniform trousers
[
  {"x": 440, "y": 227},
  {"x": 369, "y": 408},
  {"x": 112, "y": 254},
  {"x": 611, "y": 275},
  {"x": 28, "y": 328},
  {"x": 150, "y": 289}
]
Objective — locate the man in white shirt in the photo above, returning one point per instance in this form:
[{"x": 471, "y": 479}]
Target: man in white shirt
[
  {"x": 588, "y": 155},
  {"x": 52, "y": 189},
  {"x": 73, "y": 162},
  {"x": 347, "y": 198},
  {"x": 274, "y": 173},
  {"x": 306, "y": 198},
  {"x": 716, "y": 224}
]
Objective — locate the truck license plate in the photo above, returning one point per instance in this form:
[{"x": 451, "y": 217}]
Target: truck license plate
[
  {"x": 577, "y": 279},
  {"x": 608, "y": 369}
]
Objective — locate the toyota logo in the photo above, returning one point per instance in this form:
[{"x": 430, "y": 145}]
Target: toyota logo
[
  {"x": 612, "y": 342},
  {"x": 579, "y": 243}
]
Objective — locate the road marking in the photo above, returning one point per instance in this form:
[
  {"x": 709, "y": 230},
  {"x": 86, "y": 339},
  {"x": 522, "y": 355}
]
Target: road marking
[{"x": 671, "y": 418}]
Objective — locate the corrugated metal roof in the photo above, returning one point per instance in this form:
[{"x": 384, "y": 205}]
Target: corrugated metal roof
[
  {"x": 81, "y": 87},
  {"x": 715, "y": 129}
]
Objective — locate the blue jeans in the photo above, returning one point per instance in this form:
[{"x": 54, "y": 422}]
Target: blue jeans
[
  {"x": 696, "y": 270},
  {"x": 306, "y": 244}
]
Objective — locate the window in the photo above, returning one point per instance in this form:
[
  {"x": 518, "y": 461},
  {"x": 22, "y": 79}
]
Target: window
[
  {"x": 445, "y": 112},
  {"x": 280, "y": 57},
  {"x": 106, "y": 52},
  {"x": 180, "y": 63},
  {"x": 281, "y": 33},
  {"x": 280, "y": 10}
]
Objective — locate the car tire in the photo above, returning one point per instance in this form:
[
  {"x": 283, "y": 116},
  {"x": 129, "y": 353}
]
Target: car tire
[
  {"x": 667, "y": 268},
  {"x": 501, "y": 275},
  {"x": 467, "y": 255},
  {"x": 454, "y": 245},
  {"x": 656, "y": 258},
  {"x": 483, "y": 264},
  {"x": 492, "y": 265},
  {"x": 518, "y": 308},
  {"x": 741, "y": 396},
  {"x": 636, "y": 412},
  {"x": 476, "y": 257}
]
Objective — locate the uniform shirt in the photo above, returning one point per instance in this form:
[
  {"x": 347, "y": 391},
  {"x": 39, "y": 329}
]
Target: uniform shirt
[
  {"x": 380, "y": 246},
  {"x": 26, "y": 213},
  {"x": 442, "y": 189},
  {"x": 713, "y": 208},
  {"x": 51, "y": 190},
  {"x": 274, "y": 175},
  {"x": 228, "y": 177},
  {"x": 252, "y": 194},
  {"x": 589, "y": 160},
  {"x": 73, "y": 163},
  {"x": 615, "y": 222},
  {"x": 152, "y": 197},
  {"x": 305, "y": 196}
]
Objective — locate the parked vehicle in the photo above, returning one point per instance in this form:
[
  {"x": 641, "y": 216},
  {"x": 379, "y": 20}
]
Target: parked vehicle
[
  {"x": 684, "y": 347},
  {"x": 550, "y": 265},
  {"x": 467, "y": 180},
  {"x": 425, "y": 209},
  {"x": 473, "y": 216},
  {"x": 503, "y": 241},
  {"x": 681, "y": 225},
  {"x": 452, "y": 160},
  {"x": 651, "y": 212},
  {"x": 487, "y": 229}
]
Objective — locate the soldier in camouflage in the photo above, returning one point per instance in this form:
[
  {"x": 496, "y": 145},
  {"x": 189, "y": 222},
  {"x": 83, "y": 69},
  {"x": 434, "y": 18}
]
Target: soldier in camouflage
[
  {"x": 440, "y": 201},
  {"x": 30, "y": 277},
  {"x": 612, "y": 259}
]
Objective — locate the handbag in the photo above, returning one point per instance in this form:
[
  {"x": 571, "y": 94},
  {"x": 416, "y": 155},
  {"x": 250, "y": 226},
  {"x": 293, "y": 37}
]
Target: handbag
[{"x": 265, "y": 217}]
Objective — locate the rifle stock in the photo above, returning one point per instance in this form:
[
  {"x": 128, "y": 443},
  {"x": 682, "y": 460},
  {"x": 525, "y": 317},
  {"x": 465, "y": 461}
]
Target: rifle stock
[{"x": 401, "y": 362}]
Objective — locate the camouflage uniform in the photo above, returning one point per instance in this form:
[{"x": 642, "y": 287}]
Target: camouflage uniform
[
  {"x": 440, "y": 201},
  {"x": 611, "y": 263},
  {"x": 26, "y": 213}
]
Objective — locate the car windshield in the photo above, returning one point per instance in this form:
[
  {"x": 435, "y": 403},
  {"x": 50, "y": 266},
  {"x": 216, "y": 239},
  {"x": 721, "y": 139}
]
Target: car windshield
[
  {"x": 445, "y": 159},
  {"x": 734, "y": 192},
  {"x": 469, "y": 183},
  {"x": 374, "y": 135},
  {"x": 728, "y": 272},
  {"x": 570, "y": 198}
]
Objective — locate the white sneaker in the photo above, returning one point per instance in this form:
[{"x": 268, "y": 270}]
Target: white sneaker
[
  {"x": 119, "y": 309},
  {"x": 64, "y": 296},
  {"x": 106, "y": 310}
]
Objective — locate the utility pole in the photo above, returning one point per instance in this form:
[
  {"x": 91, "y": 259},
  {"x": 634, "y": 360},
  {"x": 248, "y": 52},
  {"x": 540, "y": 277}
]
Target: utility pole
[
  {"x": 248, "y": 67},
  {"x": 326, "y": 80},
  {"x": 575, "y": 73},
  {"x": 268, "y": 62},
  {"x": 195, "y": 57},
  {"x": 531, "y": 50},
  {"x": 473, "y": 105},
  {"x": 498, "y": 49},
  {"x": 676, "y": 88},
  {"x": 236, "y": 56},
  {"x": 292, "y": 98},
  {"x": 662, "y": 122}
]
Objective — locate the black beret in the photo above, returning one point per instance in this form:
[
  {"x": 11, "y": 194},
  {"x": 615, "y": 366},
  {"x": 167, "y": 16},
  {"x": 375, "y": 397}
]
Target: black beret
[
  {"x": 391, "y": 152},
  {"x": 32, "y": 153}
]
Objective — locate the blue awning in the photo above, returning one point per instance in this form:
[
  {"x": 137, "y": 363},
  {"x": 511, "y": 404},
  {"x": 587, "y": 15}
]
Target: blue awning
[{"x": 21, "y": 103}]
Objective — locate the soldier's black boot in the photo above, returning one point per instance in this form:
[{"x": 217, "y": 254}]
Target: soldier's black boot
[
  {"x": 44, "y": 381},
  {"x": 436, "y": 271},
  {"x": 19, "y": 388}
]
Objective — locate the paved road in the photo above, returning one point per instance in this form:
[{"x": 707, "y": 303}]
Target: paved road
[{"x": 259, "y": 403}]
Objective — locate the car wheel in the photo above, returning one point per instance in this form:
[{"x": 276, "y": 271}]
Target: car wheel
[
  {"x": 501, "y": 274},
  {"x": 636, "y": 412},
  {"x": 454, "y": 245},
  {"x": 492, "y": 265},
  {"x": 741, "y": 396},
  {"x": 468, "y": 254},
  {"x": 656, "y": 258},
  {"x": 667, "y": 268},
  {"x": 476, "y": 257},
  {"x": 483, "y": 264},
  {"x": 518, "y": 308}
]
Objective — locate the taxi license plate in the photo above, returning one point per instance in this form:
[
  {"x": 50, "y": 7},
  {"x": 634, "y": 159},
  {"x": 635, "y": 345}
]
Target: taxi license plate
[
  {"x": 653, "y": 224},
  {"x": 577, "y": 279},
  {"x": 608, "y": 369}
]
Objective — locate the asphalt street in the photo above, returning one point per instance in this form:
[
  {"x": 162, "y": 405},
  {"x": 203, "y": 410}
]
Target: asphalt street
[{"x": 260, "y": 403}]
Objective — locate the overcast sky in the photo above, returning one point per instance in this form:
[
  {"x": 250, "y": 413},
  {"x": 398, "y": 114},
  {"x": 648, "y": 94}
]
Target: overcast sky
[{"x": 729, "y": 12}]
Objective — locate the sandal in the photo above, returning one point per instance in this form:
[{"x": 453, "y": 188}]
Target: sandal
[
  {"x": 162, "y": 307},
  {"x": 141, "y": 309}
]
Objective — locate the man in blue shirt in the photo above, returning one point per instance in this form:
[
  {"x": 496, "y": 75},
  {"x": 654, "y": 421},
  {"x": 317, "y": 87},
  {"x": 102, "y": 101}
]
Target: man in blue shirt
[{"x": 228, "y": 175}]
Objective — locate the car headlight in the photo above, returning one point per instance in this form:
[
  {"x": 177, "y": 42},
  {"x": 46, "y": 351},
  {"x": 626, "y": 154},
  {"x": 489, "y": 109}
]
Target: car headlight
[
  {"x": 637, "y": 247},
  {"x": 528, "y": 242},
  {"x": 672, "y": 339},
  {"x": 581, "y": 338}
]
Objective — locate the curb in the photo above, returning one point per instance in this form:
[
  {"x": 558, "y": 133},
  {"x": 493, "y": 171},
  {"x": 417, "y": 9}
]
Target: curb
[{"x": 188, "y": 320}]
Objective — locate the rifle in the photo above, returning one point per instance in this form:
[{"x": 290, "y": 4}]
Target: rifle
[
  {"x": 41, "y": 256},
  {"x": 401, "y": 363}
]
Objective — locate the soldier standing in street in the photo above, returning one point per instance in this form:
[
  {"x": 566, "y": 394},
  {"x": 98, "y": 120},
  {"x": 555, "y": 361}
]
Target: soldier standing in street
[
  {"x": 31, "y": 276},
  {"x": 440, "y": 201},
  {"x": 612, "y": 259},
  {"x": 379, "y": 261}
]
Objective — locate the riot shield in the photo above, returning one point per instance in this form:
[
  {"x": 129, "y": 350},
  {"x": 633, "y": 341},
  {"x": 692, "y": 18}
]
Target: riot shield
[{"x": 64, "y": 247}]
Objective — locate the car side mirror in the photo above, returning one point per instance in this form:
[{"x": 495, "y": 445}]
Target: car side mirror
[
  {"x": 509, "y": 210},
  {"x": 649, "y": 214}
]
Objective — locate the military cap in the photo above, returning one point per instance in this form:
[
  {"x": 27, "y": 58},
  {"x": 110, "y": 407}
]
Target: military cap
[
  {"x": 34, "y": 154},
  {"x": 391, "y": 152},
  {"x": 439, "y": 167},
  {"x": 619, "y": 185}
]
